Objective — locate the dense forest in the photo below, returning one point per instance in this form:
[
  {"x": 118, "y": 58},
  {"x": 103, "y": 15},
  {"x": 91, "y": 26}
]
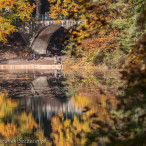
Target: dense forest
[
  {"x": 108, "y": 31},
  {"x": 112, "y": 34}
]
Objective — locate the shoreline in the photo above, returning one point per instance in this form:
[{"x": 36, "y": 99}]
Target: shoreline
[{"x": 30, "y": 67}]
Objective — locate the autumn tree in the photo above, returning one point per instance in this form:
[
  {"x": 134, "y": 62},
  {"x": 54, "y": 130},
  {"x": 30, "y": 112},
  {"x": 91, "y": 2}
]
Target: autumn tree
[
  {"x": 95, "y": 29},
  {"x": 128, "y": 13},
  {"x": 10, "y": 10},
  {"x": 129, "y": 117},
  {"x": 100, "y": 19},
  {"x": 93, "y": 15}
]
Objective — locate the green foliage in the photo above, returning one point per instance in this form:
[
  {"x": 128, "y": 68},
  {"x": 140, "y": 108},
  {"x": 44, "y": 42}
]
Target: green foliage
[
  {"x": 128, "y": 13},
  {"x": 70, "y": 48}
]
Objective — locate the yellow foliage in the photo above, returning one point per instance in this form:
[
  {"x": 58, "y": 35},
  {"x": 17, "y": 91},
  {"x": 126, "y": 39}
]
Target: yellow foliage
[
  {"x": 81, "y": 101},
  {"x": 17, "y": 9},
  {"x": 20, "y": 125},
  {"x": 8, "y": 130},
  {"x": 6, "y": 105},
  {"x": 65, "y": 132},
  {"x": 27, "y": 123},
  {"x": 6, "y": 108},
  {"x": 90, "y": 14}
]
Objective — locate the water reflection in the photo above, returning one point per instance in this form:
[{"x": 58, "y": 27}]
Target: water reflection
[{"x": 63, "y": 106}]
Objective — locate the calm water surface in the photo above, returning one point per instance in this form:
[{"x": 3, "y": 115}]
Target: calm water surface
[{"x": 54, "y": 107}]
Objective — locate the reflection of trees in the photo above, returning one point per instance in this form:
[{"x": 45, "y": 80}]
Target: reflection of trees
[
  {"x": 14, "y": 125},
  {"x": 108, "y": 119},
  {"x": 93, "y": 100},
  {"x": 91, "y": 80},
  {"x": 7, "y": 128},
  {"x": 79, "y": 79},
  {"x": 56, "y": 85},
  {"x": 65, "y": 132}
]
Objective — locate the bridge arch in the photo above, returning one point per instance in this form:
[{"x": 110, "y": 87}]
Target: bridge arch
[
  {"x": 42, "y": 40},
  {"x": 32, "y": 31}
]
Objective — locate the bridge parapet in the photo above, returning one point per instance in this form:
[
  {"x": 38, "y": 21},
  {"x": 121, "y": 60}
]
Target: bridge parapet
[{"x": 30, "y": 30}]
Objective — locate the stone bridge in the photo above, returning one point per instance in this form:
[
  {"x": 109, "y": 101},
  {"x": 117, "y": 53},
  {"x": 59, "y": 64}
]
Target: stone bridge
[{"x": 37, "y": 34}]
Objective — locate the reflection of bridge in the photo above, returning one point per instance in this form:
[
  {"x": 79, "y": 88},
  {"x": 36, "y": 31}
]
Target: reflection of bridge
[
  {"x": 43, "y": 111},
  {"x": 51, "y": 105},
  {"x": 40, "y": 87},
  {"x": 44, "y": 104},
  {"x": 40, "y": 92}
]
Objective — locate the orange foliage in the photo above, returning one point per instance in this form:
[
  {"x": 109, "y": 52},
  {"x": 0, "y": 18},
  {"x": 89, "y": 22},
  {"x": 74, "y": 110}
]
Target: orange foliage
[
  {"x": 8, "y": 130},
  {"x": 21, "y": 125},
  {"x": 98, "y": 43},
  {"x": 94, "y": 16},
  {"x": 17, "y": 9},
  {"x": 27, "y": 123}
]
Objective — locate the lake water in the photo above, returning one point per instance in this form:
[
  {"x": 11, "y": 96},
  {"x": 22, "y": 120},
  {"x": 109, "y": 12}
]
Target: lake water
[{"x": 56, "y": 107}]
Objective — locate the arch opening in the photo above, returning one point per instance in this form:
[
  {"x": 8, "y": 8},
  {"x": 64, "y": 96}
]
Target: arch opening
[
  {"x": 55, "y": 44},
  {"x": 49, "y": 40}
]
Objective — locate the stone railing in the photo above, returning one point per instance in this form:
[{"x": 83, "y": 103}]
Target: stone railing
[{"x": 29, "y": 30}]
